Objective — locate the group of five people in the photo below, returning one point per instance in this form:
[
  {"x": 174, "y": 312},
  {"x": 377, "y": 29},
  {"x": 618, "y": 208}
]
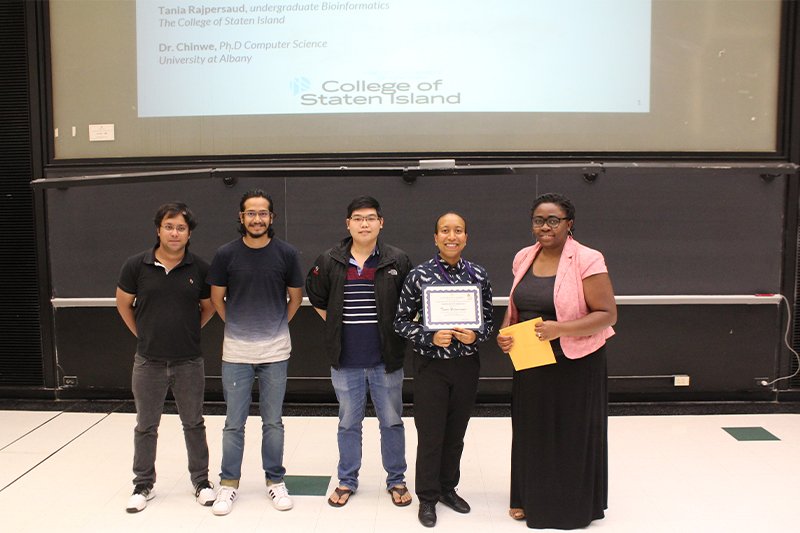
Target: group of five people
[{"x": 371, "y": 301}]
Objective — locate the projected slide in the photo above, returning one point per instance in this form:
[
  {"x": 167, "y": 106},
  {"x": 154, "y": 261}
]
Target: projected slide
[{"x": 255, "y": 57}]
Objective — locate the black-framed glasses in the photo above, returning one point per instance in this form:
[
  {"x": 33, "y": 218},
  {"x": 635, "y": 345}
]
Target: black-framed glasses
[
  {"x": 169, "y": 228},
  {"x": 370, "y": 219},
  {"x": 552, "y": 221},
  {"x": 253, "y": 214}
]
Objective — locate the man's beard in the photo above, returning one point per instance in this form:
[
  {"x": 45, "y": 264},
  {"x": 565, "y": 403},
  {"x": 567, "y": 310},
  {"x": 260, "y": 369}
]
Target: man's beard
[{"x": 262, "y": 233}]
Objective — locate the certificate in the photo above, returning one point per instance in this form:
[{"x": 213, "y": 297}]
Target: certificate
[{"x": 452, "y": 306}]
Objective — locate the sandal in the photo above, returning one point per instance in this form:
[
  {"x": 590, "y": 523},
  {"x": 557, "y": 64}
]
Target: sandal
[
  {"x": 399, "y": 491},
  {"x": 339, "y": 491},
  {"x": 516, "y": 513}
]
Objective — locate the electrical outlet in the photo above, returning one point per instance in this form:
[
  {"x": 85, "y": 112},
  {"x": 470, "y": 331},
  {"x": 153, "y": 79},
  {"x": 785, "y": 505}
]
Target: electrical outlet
[
  {"x": 682, "y": 380},
  {"x": 70, "y": 381}
]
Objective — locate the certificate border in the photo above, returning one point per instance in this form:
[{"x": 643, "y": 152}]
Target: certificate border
[{"x": 428, "y": 325}]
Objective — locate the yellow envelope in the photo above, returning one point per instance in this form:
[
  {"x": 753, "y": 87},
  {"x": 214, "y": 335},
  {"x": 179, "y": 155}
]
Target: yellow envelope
[{"x": 528, "y": 350}]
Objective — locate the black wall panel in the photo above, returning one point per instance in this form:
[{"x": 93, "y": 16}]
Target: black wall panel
[
  {"x": 92, "y": 230},
  {"x": 21, "y": 361},
  {"x": 724, "y": 350},
  {"x": 663, "y": 231}
]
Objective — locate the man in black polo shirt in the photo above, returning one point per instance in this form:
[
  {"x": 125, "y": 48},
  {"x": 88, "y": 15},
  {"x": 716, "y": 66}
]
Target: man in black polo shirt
[{"x": 164, "y": 300}]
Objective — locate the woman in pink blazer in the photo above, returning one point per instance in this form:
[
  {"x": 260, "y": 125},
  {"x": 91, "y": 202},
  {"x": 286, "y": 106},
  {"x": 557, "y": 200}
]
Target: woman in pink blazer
[{"x": 559, "y": 453}]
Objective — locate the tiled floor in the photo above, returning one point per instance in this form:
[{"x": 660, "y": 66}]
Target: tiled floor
[{"x": 63, "y": 471}]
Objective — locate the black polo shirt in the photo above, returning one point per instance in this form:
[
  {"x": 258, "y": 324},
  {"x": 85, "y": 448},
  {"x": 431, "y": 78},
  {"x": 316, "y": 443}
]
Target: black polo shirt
[{"x": 167, "y": 305}]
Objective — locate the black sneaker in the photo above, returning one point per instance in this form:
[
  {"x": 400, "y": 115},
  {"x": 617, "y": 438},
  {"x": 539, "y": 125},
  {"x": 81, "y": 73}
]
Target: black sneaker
[
  {"x": 204, "y": 493},
  {"x": 138, "y": 500}
]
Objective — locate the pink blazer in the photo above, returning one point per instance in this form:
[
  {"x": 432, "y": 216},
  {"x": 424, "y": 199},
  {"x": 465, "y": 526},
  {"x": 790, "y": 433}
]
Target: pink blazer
[{"x": 577, "y": 262}]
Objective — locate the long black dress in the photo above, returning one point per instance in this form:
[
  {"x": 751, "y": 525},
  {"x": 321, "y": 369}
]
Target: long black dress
[{"x": 559, "y": 416}]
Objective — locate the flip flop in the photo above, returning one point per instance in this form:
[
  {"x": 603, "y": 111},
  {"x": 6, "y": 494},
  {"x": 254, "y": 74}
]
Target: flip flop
[
  {"x": 339, "y": 493},
  {"x": 399, "y": 490},
  {"x": 516, "y": 513}
]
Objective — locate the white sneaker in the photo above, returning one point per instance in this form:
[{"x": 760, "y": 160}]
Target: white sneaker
[
  {"x": 138, "y": 500},
  {"x": 280, "y": 496},
  {"x": 204, "y": 493},
  {"x": 223, "y": 504}
]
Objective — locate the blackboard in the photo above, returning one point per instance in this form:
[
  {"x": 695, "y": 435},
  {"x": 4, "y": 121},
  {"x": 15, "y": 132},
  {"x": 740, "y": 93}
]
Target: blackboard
[{"x": 663, "y": 230}]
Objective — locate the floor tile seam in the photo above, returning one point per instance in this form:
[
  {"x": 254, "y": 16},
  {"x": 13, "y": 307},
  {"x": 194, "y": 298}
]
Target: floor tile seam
[
  {"x": 56, "y": 451},
  {"x": 32, "y": 430},
  {"x": 484, "y": 483},
  {"x": 318, "y": 517}
]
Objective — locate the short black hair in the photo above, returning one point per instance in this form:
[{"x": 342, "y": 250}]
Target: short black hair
[
  {"x": 364, "y": 202},
  {"x": 172, "y": 209},
  {"x": 456, "y": 213},
  {"x": 255, "y": 193},
  {"x": 555, "y": 198}
]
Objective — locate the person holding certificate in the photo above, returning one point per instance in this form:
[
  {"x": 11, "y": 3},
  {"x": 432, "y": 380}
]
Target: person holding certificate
[
  {"x": 559, "y": 452},
  {"x": 445, "y": 309}
]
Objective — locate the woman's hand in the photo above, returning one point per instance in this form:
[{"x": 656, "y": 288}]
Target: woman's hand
[
  {"x": 442, "y": 338},
  {"x": 464, "y": 336},
  {"x": 548, "y": 330},
  {"x": 505, "y": 342}
]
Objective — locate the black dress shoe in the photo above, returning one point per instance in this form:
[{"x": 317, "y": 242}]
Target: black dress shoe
[
  {"x": 454, "y": 502},
  {"x": 427, "y": 514}
]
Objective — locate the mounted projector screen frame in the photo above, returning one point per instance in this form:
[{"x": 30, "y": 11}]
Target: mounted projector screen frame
[{"x": 712, "y": 78}]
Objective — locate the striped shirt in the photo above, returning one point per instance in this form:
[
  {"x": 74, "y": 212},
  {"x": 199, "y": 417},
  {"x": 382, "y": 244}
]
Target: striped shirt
[{"x": 361, "y": 340}]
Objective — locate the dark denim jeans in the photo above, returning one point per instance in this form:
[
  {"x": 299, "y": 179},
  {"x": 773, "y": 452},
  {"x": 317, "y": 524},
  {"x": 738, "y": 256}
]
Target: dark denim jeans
[{"x": 150, "y": 382}]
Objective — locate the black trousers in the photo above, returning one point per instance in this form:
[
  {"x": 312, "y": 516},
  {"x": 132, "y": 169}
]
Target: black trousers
[{"x": 444, "y": 395}]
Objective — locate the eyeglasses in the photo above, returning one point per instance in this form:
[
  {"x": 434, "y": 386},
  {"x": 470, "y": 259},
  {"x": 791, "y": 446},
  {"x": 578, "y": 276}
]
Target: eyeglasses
[
  {"x": 253, "y": 214},
  {"x": 169, "y": 228},
  {"x": 553, "y": 221},
  {"x": 371, "y": 219}
]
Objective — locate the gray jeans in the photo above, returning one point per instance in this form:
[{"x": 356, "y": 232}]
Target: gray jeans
[{"x": 150, "y": 382}]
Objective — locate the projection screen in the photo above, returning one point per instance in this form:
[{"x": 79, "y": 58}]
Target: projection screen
[{"x": 160, "y": 78}]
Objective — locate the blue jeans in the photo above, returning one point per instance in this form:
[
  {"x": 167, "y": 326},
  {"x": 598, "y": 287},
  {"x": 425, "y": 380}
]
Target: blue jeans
[
  {"x": 237, "y": 387},
  {"x": 386, "y": 391},
  {"x": 150, "y": 381}
]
